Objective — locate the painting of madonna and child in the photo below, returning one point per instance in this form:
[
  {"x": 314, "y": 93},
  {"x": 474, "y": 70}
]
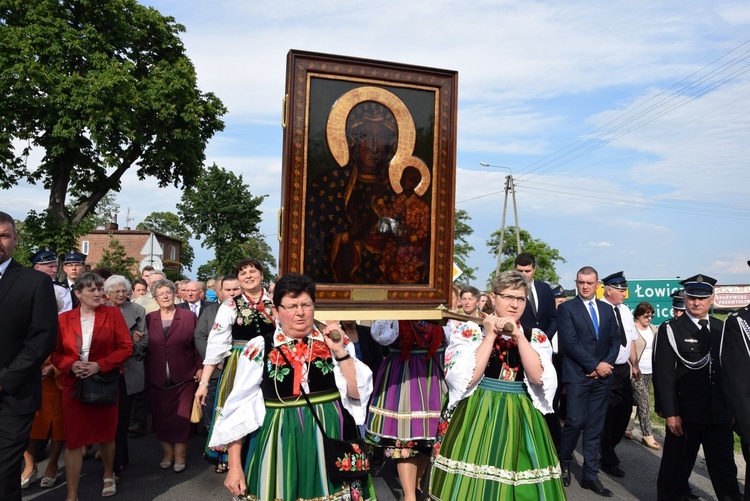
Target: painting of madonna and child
[{"x": 377, "y": 174}]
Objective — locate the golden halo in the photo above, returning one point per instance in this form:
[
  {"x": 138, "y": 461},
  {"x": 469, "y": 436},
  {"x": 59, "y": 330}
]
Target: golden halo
[{"x": 407, "y": 135}]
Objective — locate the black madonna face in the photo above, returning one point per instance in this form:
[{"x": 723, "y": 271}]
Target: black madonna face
[
  {"x": 371, "y": 133},
  {"x": 374, "y": 144}
]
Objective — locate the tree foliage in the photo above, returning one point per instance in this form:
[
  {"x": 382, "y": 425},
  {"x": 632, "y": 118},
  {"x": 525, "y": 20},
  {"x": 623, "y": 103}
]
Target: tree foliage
[
  {"x": 462, "y": 230},
  {"x": 97, "y": 87},
  {"x": 169, "y": 223},
  {"x": 223, "y": 213},
  {"x": 25, "y": 249},
  {"x": 41, "y": 230},
  {"x": 255, "y": 247},
  {"x": 116, "y": 260},
  {"x": 545, "y": 255}
]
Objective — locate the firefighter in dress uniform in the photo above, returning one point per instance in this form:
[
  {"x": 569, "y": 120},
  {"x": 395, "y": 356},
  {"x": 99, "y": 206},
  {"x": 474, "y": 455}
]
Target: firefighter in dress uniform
[{"x": 688, "y": 383}]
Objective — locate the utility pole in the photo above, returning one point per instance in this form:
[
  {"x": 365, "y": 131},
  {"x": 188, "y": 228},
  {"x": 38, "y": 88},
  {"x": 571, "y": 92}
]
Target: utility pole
[{"x": 510, "y": 189}]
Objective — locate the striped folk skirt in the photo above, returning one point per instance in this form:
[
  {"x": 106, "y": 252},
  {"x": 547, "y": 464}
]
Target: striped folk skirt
[
  {"x": 284, "y": 459},
  {"x": 223, "y": 389},
  {"x": 496, "y": 446},
  {"x": 406, "y": 404}
]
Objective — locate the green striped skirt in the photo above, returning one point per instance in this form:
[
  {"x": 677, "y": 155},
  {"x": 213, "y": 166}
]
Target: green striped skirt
[
  {"x": 496, "y": 447},
  {"x": 223, "y": 389},
  {"x": 285, "y": 458}
]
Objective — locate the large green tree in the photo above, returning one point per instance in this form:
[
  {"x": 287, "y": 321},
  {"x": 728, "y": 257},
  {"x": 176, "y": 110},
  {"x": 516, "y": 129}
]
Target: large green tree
[
  {"x": 98, "y": 87},
  {"x": 169, "y": 223},
  {"x": 255, "y": 247},
  {"x": 462, "y": 230},
  {"x": 223, "y": 213},
  {"x": 40, "y": 229},
  {"x": 545, "y": 255}
]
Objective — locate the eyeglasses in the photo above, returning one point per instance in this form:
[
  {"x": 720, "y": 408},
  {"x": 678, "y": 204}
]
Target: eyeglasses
[
  {"x": 165, "y": 294},
  {"x": 295, "y": 306},
  {"x": 511, "y": 298}
]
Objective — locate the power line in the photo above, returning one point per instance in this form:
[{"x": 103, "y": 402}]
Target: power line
[
  {"x": 653, "y": 205},
  {"x": 638, "y": 117}
]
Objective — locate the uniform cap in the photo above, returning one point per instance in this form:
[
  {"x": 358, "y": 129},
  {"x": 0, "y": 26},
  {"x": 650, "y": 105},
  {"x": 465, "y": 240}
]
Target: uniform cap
[
  {"x": 678, "y": 300},
  {"x": 74, "y": 257},
  {"x": 43, "y": 256},
  {"x": 699, "y": 286},
  {"x": 616, "y": 280}
]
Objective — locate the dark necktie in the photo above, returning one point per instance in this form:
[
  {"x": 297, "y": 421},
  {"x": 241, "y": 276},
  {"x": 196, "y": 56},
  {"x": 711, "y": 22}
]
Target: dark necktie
[
  {"x": 73, "y": 298},
  {"x": 704, "y": 326},
  {"x": 530, "y": 299},
  {"x": 623, "y": 338}
]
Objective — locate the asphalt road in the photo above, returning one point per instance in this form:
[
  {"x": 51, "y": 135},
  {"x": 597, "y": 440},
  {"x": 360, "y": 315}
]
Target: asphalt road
[{"x": 143, "y": 479}]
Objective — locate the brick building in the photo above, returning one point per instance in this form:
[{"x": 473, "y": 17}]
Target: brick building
[{"x": 94, "y": 243}]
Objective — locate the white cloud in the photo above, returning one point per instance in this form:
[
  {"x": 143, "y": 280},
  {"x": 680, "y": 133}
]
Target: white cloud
[{"x": 534, "y": 77}]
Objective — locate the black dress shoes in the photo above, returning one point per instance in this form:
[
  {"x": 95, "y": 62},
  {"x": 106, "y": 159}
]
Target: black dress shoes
[
  {"x": 565, "y": 474},
  {"x": 597, "y": 487},
  {"x": 613, "y": 470}
]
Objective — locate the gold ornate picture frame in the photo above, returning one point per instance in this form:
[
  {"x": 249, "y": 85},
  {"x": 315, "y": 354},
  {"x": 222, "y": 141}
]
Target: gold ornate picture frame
[{"x": 368, "y": 181}]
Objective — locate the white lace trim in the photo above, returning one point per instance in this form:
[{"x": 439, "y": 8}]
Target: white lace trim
[
  {"x": 492, "y": 473},
  {"x": 543, "y": 394},
  {"x": 404, "y": 415}
]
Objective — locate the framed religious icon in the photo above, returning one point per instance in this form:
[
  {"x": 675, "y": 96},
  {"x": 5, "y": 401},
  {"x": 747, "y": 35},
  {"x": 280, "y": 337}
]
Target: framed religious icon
[{"x": 368, "y": 181}]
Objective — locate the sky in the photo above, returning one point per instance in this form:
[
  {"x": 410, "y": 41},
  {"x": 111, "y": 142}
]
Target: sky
[{"x": 625, "y": 124}]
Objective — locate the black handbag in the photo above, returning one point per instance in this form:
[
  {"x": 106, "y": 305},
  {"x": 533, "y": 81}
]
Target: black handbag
[
  {"x": 345, "y": 459},
  {"x": 98, "y": 389}
]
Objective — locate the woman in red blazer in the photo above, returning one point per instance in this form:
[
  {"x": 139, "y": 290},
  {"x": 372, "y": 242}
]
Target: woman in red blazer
[
  {"x": 92, "y": 338},
  {"x": 173, "y": 368}
]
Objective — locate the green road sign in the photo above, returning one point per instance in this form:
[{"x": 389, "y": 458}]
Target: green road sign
[{"x": 656, "y": 292}]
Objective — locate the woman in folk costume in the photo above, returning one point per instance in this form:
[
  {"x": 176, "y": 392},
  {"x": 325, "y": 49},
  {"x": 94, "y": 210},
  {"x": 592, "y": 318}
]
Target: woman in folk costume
[
  {"x": 500, "y": 383},
  {"x": 275, "y": 444},
  {"x": 238, "y": 320},
  {"x": 408, "y": 396}
]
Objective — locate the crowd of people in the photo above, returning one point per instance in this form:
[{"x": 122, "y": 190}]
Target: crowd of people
[{"x": 489, "y": 406}]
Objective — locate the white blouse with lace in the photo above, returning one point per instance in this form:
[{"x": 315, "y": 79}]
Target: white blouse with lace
[{"x": 460, "y": 362}]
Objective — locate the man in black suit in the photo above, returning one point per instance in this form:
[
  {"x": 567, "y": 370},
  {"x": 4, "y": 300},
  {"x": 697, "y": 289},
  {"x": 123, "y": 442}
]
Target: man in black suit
[
  {"x": 73, "y": 265},
  {"x": 589, "y": 342},
  {"x": 541, "y": 311},
  {"x": 28, "y": 310},
  {"x": 690, "y": 388},
  {"x": 191, "y": 295},
  {"x": 734, "y": 354}
]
